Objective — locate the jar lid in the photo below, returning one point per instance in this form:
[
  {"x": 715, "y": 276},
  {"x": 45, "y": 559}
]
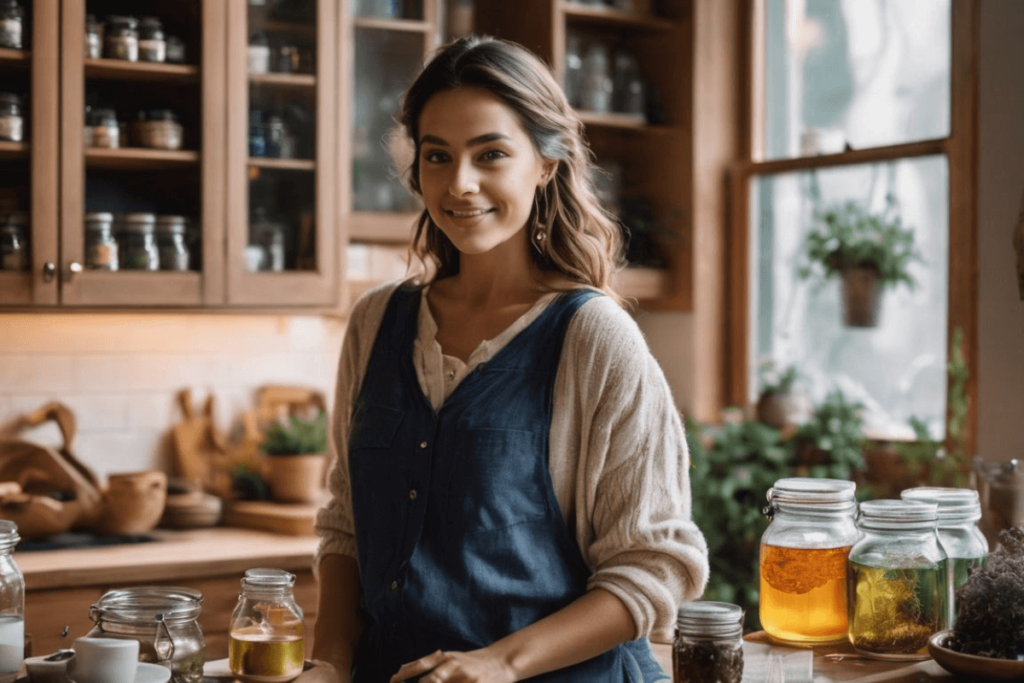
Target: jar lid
[
  {"x": 898, "y": 514},
  {"x": 170, "y": 224},
  {"x": 10, "y": 98},
  {"x": 150, "y": 21},
  {"x": 160, "y": 115},
  {"x": 705, "y": 617},
  {"x": 809, "y": 494},
  {"x": 267, "y": 580},
  {"x": 148, "y": 604},
  {"x": 955, "y": 505},
  {"x": 99, "y": 217},
  {"x": 123, "y": 21}
]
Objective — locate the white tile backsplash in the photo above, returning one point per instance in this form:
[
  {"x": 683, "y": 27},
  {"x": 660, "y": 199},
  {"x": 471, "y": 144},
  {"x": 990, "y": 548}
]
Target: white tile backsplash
[{"x": 121, "y": 374}]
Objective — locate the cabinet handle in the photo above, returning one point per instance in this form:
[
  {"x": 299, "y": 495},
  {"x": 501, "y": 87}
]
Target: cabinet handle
[
  {"x": 49, "y": 271},
  {"x": 73, "y": 269}
]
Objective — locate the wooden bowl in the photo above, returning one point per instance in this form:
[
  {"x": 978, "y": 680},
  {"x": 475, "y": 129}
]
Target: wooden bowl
[
  {"x": 973, "y": 667},
  {"x": 132, "y": 503}
]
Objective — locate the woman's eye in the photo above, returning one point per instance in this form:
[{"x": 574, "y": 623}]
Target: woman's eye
[
  {"x": 435, "y": 157},
  {"x": 492, "y": 155}
]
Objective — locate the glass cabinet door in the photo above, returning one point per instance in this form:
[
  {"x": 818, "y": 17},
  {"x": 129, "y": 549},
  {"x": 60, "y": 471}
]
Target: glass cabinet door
[
  {"x": 142, "y": 129},
  {"x": 29, "y": 139},
  {"x": 282, "y": 156}
]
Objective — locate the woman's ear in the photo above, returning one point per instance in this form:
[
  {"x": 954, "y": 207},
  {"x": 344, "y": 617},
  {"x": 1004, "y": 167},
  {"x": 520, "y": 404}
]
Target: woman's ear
[{"x": 550, "y": 167}]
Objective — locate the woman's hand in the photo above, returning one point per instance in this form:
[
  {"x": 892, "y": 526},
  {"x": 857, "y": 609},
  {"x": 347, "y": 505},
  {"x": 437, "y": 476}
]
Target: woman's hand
[
  {"x": 322, "y": 672},
  {"x": 477, "y": 666}
]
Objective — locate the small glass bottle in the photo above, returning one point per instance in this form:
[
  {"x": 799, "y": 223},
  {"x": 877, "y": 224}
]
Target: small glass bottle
[
  {"x": 152, "y": 46},
  {"x": 138, "y": 242},
  {"x": 709, "y": 643},
  {"x": 12, "y": 119},
  {"x": 12, "y": 602},
  {"x": 12, "y": 23},
  {"x": 574, "y": 69},
  {"x": 105, "y": 129},
  {"x": 803, "y": 560},
  {"x": 966, "y": 547},
  {"x": 257, "y": 135},
  {"x": 259, "y": 53},
  {"x": 170, "y": 239},
  {"x": 597, "y": 79},
  {"x": 14, "y": 253},
  {"x": 275, "y": 132},
  {"x": 266, "y": 635},
  {"x": 93, "y": 37},
  {"x": 121, "y": 39},
  {"x": 100, "y": 245},
  {"x": 175, "y": 50},
  {"x": 897, "y": 580}
]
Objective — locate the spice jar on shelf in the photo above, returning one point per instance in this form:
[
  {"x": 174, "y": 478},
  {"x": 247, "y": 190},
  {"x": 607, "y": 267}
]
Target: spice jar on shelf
[
  {"x": 171, "y": 243},
  {"x": 897, "y": 580},
  {"x": 14, "y": 250},
  {"x": 121, "y": 38},
  {"x": 803, "y": 560},
  {"x": 175, "y": 50},
  {"x": 708, "y": 644},
  {"x": 152, "y": 46},
  {"x": 100, "y": 245},
  {"x": 963, "y": 542},
  {"x": 266, "y": 635},
  {"x": 93, "y": 37},
  {"x": 276, "y": 134},
  {"x": 12, "y": 119},
  {"x": 158, "y": 129},
  {"x": 138, "y": 250},
  {"x": 12, "y": 23},
  {"x": 104, "y": 129},
  {"x": 259, "y": 53}
]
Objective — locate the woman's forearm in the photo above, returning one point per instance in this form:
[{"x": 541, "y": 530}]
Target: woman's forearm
[
  {"x": 338, "y": 623},
  {"x": 591, "y": 625}
]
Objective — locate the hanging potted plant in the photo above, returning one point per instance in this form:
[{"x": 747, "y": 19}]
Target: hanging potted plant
[{"x": 868, "y": 251}]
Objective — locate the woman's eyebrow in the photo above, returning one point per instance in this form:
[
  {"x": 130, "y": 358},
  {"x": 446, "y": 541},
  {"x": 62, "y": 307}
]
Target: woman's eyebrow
[{"x": 478, "y": 140}]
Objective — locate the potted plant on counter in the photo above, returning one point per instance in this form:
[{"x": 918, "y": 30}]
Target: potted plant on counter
[
  {"x": 779, "y": 405},
  {"x": 295, "y": 458},
  {"x": 868, "y": 251}
]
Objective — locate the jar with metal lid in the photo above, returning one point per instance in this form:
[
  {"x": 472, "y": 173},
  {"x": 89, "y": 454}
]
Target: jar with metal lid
[
  {"x": 93, "y": 37},
  {"x": 275, "y": 133},
  {"x": 12, "y": 23},
  {"x": 121, "y": 40},
  {"x": 897, "y": 580},
  {"x": 104, "y": 128},
  {"x": 152, "y": 45},
  {"x": 803, "y": 560},
  {"x": 137, "y": 242},
  {"x": 259, "y": 53},
  {"x": 165, "y": 621},
  {"x": 158, "y": 129},
  {"x": 12, "y": 602},
  {"x": 175, "y": 50},
  {"x": 266, "y": 636},
  {"x": 14, "y": 252},
  {"x": 268, "y": 235},
  {"x": 170, "y": 239},
  {"x": 965, "y": 546},
  {"x": 708, "y": 643},
  {"x": 12, "y": 120},
  {"x": 100, "y": 244}
]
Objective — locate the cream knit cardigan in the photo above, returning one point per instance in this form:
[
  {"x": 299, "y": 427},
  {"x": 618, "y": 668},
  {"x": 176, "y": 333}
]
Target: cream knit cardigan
[{"x": 618, "y": 457}]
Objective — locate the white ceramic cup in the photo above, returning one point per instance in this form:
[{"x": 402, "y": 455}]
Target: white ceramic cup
[{"x": 104, "y": 660}]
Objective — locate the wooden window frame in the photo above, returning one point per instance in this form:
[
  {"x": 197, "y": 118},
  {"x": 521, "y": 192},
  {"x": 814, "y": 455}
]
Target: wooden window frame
[{"x": 960, "y": 148}]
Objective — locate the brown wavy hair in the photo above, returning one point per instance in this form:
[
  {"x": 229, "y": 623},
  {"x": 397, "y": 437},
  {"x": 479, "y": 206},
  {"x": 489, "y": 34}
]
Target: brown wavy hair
[{"x": 584, "y": 241}]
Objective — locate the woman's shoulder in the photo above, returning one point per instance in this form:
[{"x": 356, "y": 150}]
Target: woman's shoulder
[
  {"x": 370, "y": 305},
  {"x": 602, "y": 328}
]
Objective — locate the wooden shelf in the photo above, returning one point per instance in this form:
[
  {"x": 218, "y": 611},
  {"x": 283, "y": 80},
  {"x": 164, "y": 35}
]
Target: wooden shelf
[
  {"x": 283, "y": 164},
  {"x": 378, "y": 24},
  {"x": 123, "y": 70},
  {"x": 135, "y": 158},
  {"x": 636, "y": 122},
  {"x": 9, "y": 57},
  {"x": 613, "y": 17},
  {"x": 298, "y": 81},
  {"x": 382, "y": 228},
  {"x": 13, "y": 151}
]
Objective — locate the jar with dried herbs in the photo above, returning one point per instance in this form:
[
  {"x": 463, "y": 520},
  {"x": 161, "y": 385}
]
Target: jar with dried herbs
[
  {"x": 708, "y": 646},
  {"x": 138, "y": 242},
  {"x": 121, "y": 38}
]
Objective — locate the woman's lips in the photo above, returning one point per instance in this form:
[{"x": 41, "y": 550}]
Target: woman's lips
[{"x": 466, "y": 213}]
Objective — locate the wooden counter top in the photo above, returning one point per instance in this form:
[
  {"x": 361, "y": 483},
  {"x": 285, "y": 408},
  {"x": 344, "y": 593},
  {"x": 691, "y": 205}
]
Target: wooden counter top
[{"x": 176, "y": 555}]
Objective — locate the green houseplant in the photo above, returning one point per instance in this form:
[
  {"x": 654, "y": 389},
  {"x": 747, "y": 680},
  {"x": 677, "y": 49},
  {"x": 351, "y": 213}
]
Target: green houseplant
[
  {"x": 295, "y": 458},
  {"x": 869, "y": 251},
  {"x": 779, "y": 405}
]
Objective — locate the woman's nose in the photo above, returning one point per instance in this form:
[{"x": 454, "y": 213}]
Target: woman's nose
[{"x": 464, "y": 180}]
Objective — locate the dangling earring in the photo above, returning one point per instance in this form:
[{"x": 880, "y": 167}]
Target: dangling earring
[{"x": 540, "y": 228}]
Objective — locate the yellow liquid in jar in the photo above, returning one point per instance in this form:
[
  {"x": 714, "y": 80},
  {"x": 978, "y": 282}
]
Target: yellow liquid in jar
[
  {"x": 803, "y": 594},
  {"x": 265, "y": 658}
]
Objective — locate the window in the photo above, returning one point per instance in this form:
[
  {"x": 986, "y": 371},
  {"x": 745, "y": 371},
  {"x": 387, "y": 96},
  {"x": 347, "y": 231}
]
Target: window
[{"x": 870, "y": 102}]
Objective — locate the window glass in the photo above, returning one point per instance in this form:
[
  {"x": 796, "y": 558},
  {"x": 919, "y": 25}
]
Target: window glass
[
  {"x": 862, "y": 73},
  {"x": 897, "y": 368}
]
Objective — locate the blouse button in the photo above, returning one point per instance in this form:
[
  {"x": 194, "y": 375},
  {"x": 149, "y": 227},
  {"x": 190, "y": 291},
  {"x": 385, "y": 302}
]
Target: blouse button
[
  {"x": 423, "y": 444},
  {"x": 451, "y": 375},
  {"x": 412, "y": 494},
  {"x": 393, "y": 586}
]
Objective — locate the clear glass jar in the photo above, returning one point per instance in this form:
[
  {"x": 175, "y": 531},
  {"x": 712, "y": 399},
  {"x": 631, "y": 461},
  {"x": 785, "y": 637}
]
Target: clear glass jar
[
  {"x": 12, "y": 24},
  {"x": 175, "y": 50},
  {"x": 137, "y": 242},
  {"x": 14, "y": 250},
  {"x": 152, "y": 46},
  {"x": 165, "y": 621},
  {"x": 100, "y": 244},
  {"x": 104, "y": 128},
  {"x": 574, "y": 68},
  {"x": 275, "y": 134},
  {"x": 170, "y": 240},
  {"x": 121, "y": 39},
  {"x": 259, "y": 53},
  {"x": 708, "y": 645},
  {"x": 158, "y": 129},
  {"x": 266, "y": 636},
  {"x": 965, "y": 545},
  {"x": 93, "y": 37},
  {"x": 897, "y": 580},
  {"x": 12, "y": 602},
  {"x": 269, "y": 236},
  {"x": 12, "y": 120},
  {"x": 803, "y": 560},
  {"x": 597, "y": 79}
]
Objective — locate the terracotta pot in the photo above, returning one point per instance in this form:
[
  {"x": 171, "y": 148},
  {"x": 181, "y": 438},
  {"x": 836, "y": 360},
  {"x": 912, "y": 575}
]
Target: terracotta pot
[
  {"x": 295, "y": 478},
  {"x": 862, "y": 295},
  {"x": 783, "y": 409}
]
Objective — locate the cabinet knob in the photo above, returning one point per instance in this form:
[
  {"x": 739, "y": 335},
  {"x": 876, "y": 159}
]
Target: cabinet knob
[
  {"x": 73, "y": 269},
  {"x": 49, "y": 271}
]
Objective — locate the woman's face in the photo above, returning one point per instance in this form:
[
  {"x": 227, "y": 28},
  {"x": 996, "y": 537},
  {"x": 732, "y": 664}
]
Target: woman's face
[{"x": 478, "y": 169}]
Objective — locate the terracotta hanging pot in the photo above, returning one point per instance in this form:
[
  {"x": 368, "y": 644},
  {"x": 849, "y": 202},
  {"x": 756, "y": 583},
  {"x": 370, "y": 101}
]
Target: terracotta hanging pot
[{"x": 862, "y": 296}]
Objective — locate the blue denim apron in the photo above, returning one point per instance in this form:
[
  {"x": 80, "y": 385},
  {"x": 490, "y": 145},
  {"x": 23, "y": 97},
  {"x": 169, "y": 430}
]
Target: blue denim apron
[{"x": 460, "y": 537}]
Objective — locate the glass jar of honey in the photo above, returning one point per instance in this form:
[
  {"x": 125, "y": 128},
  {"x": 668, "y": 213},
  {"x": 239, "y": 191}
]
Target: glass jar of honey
[
  {"x": 266, "y": 637},
  {"x": 803, "y": 560},
  {"x": 897, "y": 580}
]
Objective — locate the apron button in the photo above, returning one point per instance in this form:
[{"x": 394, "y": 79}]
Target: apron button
[
  {"x": 423, "y": 444},
  {"x": 394, "y": 586},
  {"x": 412, "y": 494}
]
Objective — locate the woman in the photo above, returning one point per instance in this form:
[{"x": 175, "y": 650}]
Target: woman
[{"x": 511, "y": 498}]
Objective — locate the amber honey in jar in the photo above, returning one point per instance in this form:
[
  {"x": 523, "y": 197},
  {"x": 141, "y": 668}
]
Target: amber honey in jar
[
  {"x": 803, "y": 560},
  {"x": 266, "y": 638}
]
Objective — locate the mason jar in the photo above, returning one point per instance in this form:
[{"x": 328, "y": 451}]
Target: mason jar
[
  {"x": 152, "y": 46},
  {"x": 165, "y": 621},
  {"x": 93, "y": 37},
  {"x": 963, "y": 542},
  {"x": 12, "y": 602},
  {"x": 170, "y": 240},
  {"x": 100, "y": 244},
  {"x": 12, "y": 118},
  {"x": 897, "y": 580},
  {"x": 14, "y": 250},
  {"x": 12, "y": 24},
  {"x": 138, "y": 250},
  {"x": 803, "y": 560},
  {"x": 266, "y": 636},
  {"x": 708, "y": 644},
  {"x": 121, "y": 38}
]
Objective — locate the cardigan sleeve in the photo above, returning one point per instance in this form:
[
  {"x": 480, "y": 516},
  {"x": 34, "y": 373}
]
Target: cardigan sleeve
[{"x": 632, "y": 508}]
